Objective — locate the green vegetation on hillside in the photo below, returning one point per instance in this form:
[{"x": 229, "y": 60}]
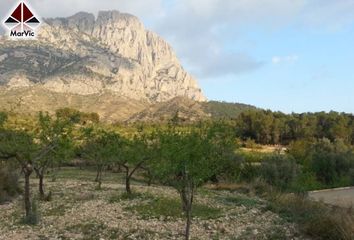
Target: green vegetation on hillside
[{"x": 225, "y": 110}]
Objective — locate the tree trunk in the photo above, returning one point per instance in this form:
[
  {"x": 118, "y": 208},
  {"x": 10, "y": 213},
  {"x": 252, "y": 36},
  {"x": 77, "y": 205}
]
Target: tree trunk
[
  {"x": 127, "y": 179},
  {"x": 27, "y": 196},
  {"x": 127, "y": 183},
  {"x": 149, "y": 181},
  {"x": 40, "y": 175},
  {"x": 41, "y": 185},
  {"x": 97, "y": 175},
  {"x": 100, "y": 180},
  {"x": 187, "y": 195},
  {"x": 188, "y": 224}
]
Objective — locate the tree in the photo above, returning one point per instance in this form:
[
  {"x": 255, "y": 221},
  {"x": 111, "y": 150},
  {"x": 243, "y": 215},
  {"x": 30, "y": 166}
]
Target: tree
[
  {"x": 135, "y": 153},
  {"x": 331, "y": 161},
  {"x": 54, "y": 134},
  {"x": 20, "y": 146},
  {"x": 189, "y": 158},
  {"x": 32, "y": 151},
  {"x": 76, "y": 116},
  {"x": 3, "y": 118},
  {"x": 100, "y": 148}
]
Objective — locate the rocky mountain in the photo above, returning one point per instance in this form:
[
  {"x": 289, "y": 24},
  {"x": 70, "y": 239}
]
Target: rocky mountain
[{"x": 111, "y": 55}]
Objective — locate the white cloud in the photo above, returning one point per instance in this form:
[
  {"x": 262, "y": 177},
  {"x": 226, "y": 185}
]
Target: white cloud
[
  {"x": 285, "y": 59},
  {"x": 330, "y": 14},
  {"x": 199, "y": 30}
]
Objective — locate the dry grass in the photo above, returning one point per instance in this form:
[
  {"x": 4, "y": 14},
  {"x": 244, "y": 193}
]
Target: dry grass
[{"x": 315, "y": 219}]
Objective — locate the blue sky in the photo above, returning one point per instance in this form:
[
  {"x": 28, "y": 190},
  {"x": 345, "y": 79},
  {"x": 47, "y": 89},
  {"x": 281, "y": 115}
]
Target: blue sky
[
  {"x": 288, "y": 55},
  {"x": 302, "y": 70}
]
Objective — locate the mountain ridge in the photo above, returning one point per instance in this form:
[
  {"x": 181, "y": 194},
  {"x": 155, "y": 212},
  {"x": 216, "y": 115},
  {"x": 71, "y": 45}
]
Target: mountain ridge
[
  {"x": 109, "y": 64},
  {"x": 85, "y": 55}
]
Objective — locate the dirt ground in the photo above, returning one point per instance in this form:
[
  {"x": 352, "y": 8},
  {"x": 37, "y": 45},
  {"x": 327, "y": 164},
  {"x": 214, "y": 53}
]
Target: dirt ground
[{"x": 79, "y": 210}]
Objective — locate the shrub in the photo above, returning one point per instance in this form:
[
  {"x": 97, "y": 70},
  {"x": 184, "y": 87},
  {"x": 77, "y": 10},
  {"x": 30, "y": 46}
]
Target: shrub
[
  {"x": 249, "y": 171},
  {"x": 3, "y": 118},
  {"x": 315, "y": 219},
  {"x": 9, "y": 186},
  {"x": 231, "y": 169},
  {"x": 34, "y": 215},
  {"x": 331, "y": 161},
  {"x": 279, "y": 170},
  {"x": 306, "y": 181},
  {"x": 351, "y": 175}
]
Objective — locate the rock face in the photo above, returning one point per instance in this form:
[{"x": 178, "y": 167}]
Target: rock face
[{"x": 84, "y": 55}]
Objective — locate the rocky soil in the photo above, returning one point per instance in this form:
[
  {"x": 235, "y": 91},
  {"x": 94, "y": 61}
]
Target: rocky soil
[{"x": 80, "y": 211}]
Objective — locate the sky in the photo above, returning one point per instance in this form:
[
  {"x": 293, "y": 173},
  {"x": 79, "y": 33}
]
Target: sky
[{"x": 283, "y": 55}]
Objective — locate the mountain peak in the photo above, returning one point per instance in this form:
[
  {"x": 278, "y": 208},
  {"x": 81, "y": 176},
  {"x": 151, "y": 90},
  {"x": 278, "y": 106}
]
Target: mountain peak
[
  {"x": 84, "y": 55},
  {"x": 115, "y": 14}
]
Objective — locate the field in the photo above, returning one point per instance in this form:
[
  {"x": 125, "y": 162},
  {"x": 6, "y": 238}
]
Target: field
[{"x": 79, "y": 210}]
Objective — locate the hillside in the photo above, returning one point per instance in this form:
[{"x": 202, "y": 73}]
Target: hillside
[
  {"x": 115, "y": 108},
  {"x": 109, "y": 106},
  {"x": 224, "y": 109}
]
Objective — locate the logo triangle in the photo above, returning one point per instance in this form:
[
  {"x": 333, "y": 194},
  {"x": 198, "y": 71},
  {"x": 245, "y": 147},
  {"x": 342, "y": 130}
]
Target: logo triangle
[
  {"x": 11, "y": 20},
  {"x": 17, "y": 14},
  {"x": 27, "y": 14},
  {"x": 33, "y": 20}
]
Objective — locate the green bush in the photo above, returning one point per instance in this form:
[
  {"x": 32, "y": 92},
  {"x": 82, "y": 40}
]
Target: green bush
[
  {"x": 9, "y": 186},
  {"x": 325, "y": 164},
  {"x": 351, "y": 176},
  {"x": 34, "y": 216},
  {"x": 249, "y": 172},
  {"x": 279, "y": 171},
  {"x": 3, "y": 118},
  {"x": 231, "y": 168},
  {"x": 331, "y": 161},
  {"x": 306, "y": 181},
  {"x": 315, "y": 219}
]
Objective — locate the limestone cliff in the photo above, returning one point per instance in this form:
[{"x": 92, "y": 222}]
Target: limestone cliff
[{"x": 86, "y": 55}]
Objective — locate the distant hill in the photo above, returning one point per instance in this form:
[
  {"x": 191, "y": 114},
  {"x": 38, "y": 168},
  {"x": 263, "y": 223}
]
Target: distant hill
[
  {"x": 115, "y": 108},
  {"x": 224, "y": 109}
]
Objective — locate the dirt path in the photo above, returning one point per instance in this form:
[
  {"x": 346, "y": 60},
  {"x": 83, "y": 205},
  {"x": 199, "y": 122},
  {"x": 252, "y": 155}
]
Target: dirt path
[{"x": 343, "y": 197}]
